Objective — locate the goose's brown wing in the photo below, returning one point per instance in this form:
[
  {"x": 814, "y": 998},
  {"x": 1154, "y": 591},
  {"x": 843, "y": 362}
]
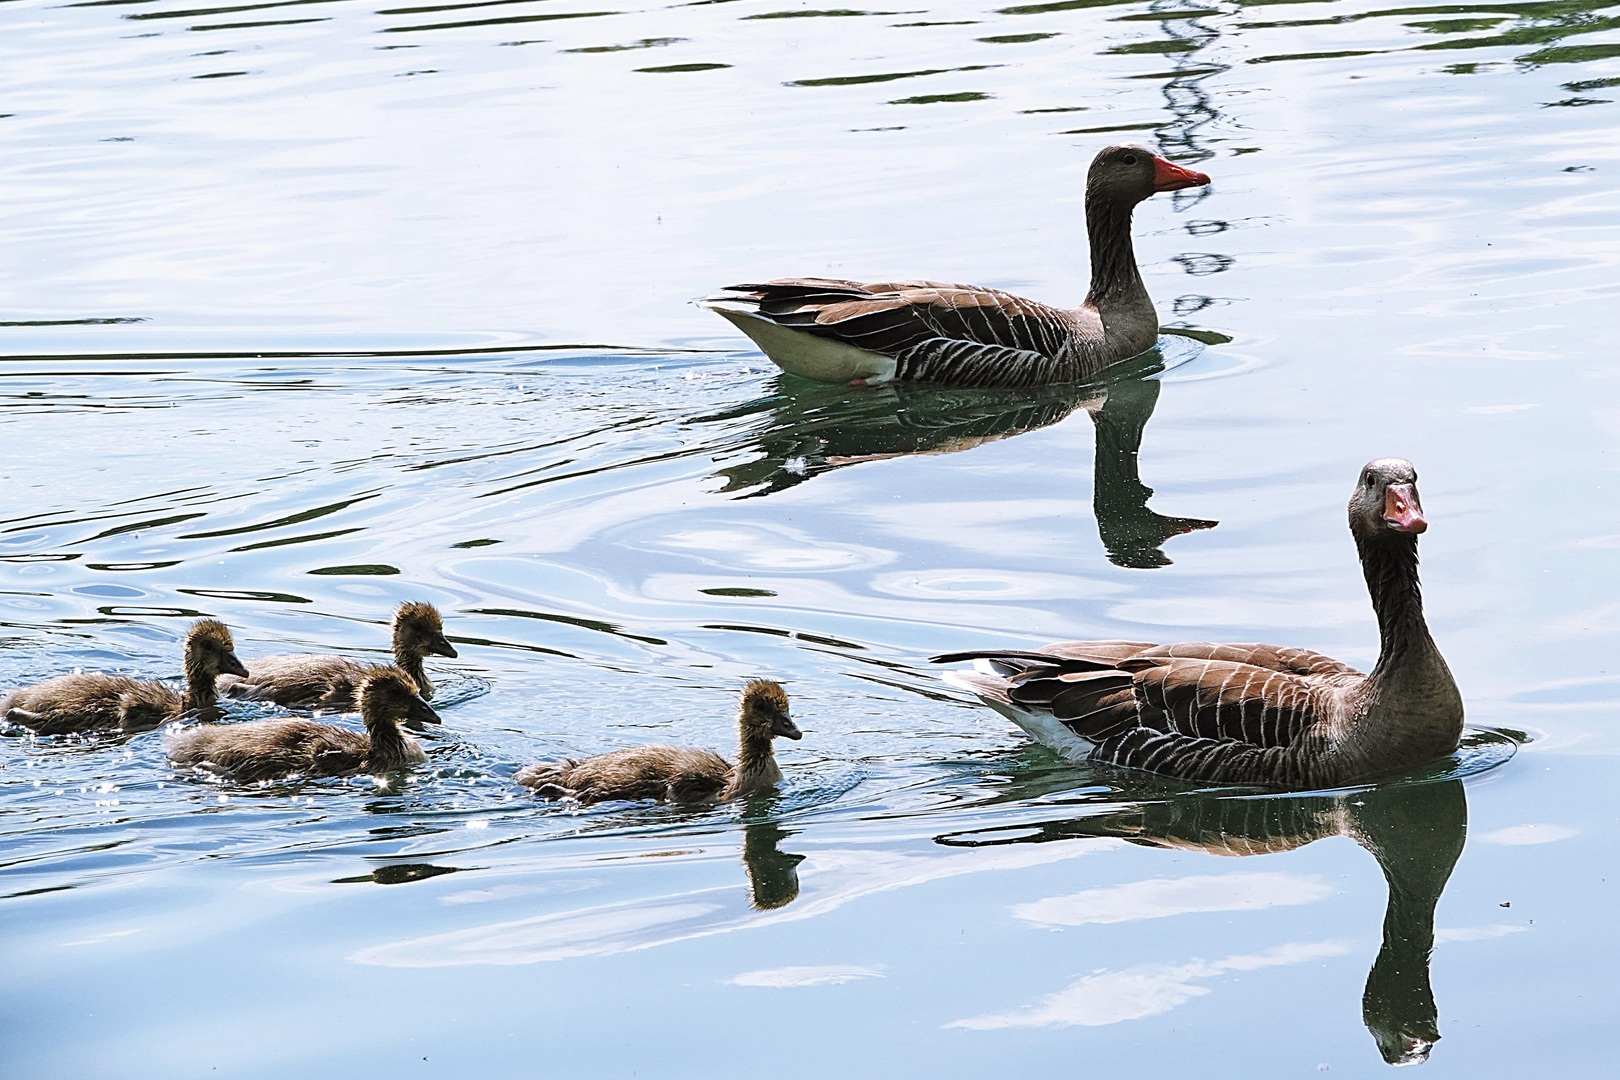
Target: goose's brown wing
[
  {"x": 311, "y": 681},
  {"x": 1104, "y": 688},
  {"x": 91, "y": 701},
  {"x": 639, "y": 772},
  {"x": 1271, "y": 657},
  {"x": 890, "y": 317},
  {"x": 936, "y": 331},
  {"x": 267, "y": 749},
  {"x": 1220, "y": 699}
]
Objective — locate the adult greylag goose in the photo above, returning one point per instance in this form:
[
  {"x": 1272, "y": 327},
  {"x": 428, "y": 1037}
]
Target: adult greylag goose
[
  {"x": 679, "y": 773},
  {"x": 268, "y": 749},
  {"x": 92, "y": 701},
  {"x": 929, "y": 331},
  {"x": 329, "y": 682},
  {"x": 1251, "y": 714}
]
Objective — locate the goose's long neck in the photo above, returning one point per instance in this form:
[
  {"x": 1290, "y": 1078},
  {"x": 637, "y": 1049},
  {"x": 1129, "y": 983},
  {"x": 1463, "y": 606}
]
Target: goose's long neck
[
  {"x": 1412, "y": 710},
  {"x": 388, "y": 752},
  {"x": 756, "y": 769},
  {"x": 1390, "y": 565},
  {"x": 409, "y": 661},
  {"x": 1116, "y": 283},
  {"x": 201, "y": 692}
]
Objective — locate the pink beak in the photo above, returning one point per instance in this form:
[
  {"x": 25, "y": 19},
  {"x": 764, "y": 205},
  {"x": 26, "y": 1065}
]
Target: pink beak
[
  {"x": 1401, "y": 510},
  {"x": 1168, "y": 176}
]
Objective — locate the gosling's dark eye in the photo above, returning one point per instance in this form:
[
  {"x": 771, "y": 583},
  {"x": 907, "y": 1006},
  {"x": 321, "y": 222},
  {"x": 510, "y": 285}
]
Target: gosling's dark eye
[{"x": 1369, "y": 480}]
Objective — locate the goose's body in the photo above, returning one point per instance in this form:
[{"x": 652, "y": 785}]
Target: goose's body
[
  {"x": 1251, "y": 714},
  {"x": 928, "y": 331},
  {"x": 324, "y": 681},
  {"x": 93, "y": 701},
  {"x": 678, "y": 773},
  {"x": 270, "y": 749}
]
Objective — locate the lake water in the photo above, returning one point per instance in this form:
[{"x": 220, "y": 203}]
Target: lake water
[{"x": 310, "y": 308}]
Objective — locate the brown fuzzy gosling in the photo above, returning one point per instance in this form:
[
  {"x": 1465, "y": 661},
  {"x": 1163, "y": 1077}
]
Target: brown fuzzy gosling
[
  {"x": 92, "y": 701},
  {"x": 267, "y": 749},
  {"x": 329, "y": 682},
  {"x": 678, "y": 773}
]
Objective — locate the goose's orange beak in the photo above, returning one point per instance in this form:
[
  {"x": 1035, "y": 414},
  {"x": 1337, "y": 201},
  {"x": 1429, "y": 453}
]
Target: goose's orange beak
[
  {"x": 1401, "y": 510},
  {"x": 1168, "y": 176}
]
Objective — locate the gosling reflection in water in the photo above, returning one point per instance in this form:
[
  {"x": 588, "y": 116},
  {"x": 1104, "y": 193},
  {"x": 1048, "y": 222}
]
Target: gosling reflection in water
[
  {"x": 773, "y": 874},
  {"x": 815, "y": 429},
  {"x": 1415, "y": 831}
]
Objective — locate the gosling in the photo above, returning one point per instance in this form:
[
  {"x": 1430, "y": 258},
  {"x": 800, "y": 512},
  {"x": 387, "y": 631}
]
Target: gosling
[
  {"x": 678, "y": 773},
  {"x": 329, "y": 682},
  {"x": 271, "y": 749},
  {"x": 93, "y": 701}
]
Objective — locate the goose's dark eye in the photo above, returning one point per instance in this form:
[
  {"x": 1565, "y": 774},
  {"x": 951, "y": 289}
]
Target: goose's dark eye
[
  {"x": 1129, "y": 159},
  {"x": 1369, "y": 480}
]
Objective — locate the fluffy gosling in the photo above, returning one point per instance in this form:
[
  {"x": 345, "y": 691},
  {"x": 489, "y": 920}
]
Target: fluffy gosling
[
  {"x": 270, "y": 749},
  {"x": 329, "y": 682},
  {"x": 93, "y": 701},
  {"x": 678, "y": 773}
]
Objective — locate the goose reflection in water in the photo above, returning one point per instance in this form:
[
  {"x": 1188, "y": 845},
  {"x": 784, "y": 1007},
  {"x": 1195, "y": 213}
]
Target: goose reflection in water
[
  {"x": 812, "y": 429},
  {"x": 1415, "y": 831},
  {"x": 773, "y": 874}
]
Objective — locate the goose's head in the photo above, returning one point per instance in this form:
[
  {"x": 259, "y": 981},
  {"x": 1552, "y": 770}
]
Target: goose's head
[
  {"x": 1385, "y": 502},
  {"x": 764, "y": 711},
  {"x": 419, "y": 631},
  {"x": 1129, "y": 174},
  {"x": 210, "y": 652},
  {"x": 389, "y": 695}
]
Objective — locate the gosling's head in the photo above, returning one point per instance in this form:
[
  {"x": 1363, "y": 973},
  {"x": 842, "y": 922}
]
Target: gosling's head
[
  {"x": 1385, "y": 503},
  {"x": 1128, "y": 174},
  {"x": 418, "y": 630},
  {"x": 764, "y": 711},
  {"x": 210, "y": 652},
  {"x": 390, "y": 695}
]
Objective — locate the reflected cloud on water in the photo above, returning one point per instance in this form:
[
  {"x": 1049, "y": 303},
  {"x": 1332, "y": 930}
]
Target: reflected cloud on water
[
  {"x": 772, "y": 894},
  {"x": 1415, "y": 831}
]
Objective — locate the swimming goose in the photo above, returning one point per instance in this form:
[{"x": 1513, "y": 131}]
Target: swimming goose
[
  {"x": 92, "y": 701},
  {"x": 1251, "y": 714},
  {"x": 928, "y": 331},
  {"x": 329, "y": 682},
  {"x": 268, "y": 749},
  {"x": 678, "y": 773}
]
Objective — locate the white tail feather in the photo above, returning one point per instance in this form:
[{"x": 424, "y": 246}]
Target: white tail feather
[
  {"x": 803, "y": 353},
  {"x": 1043, "y": 727}
]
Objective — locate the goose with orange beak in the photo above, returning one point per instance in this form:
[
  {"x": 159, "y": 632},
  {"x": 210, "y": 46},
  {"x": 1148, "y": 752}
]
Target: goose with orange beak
[
  {"x": 1251, "y": 714},
  {"x": 965, "y": 335}
]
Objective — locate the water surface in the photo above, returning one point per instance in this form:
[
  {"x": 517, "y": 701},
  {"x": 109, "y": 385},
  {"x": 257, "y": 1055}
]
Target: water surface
[{"x": 314, "y": 308}]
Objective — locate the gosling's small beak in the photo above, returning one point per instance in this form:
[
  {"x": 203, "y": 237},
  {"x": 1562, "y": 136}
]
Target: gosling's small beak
[
  {"x": 783, "y": 726},
  {"x": 1402, "y": 512},
  {"x": 230, "y": 665},
  {"x": 1168, "y": 176},
  {"x": 422, "y": 712},
  {"x": 440, "y": 646}
]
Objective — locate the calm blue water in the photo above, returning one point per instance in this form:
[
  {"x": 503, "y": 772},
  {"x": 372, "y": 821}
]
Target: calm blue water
[{"x": 310, "y": 308}]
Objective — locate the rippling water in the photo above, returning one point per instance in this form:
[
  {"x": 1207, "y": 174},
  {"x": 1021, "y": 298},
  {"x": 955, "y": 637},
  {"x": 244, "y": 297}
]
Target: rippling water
[{"x": 312, "y": 308}]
